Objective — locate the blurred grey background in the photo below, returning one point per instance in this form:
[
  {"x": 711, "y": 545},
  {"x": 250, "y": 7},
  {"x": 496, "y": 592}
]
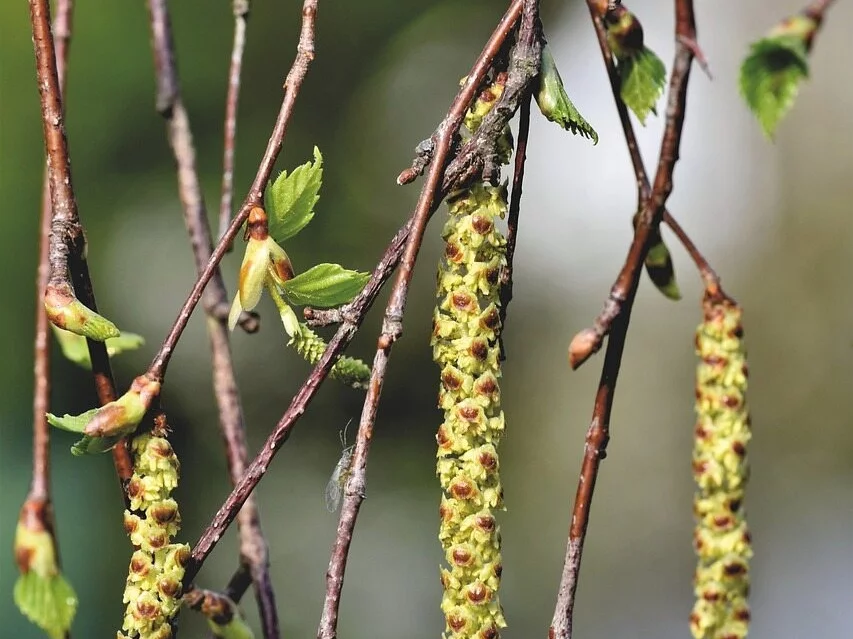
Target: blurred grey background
[{"x": 774, "y": 219}]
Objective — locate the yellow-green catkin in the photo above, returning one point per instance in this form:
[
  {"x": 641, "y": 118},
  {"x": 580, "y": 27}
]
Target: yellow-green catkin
[
  {"x": 721, "y": 538},
  {"x": 465, "y": 345},
  {"x": 351, "y": 371},
  {"x": 153, "y": 589}
]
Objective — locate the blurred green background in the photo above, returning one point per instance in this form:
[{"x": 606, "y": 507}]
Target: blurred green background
[{"x": 773, "y": 218}]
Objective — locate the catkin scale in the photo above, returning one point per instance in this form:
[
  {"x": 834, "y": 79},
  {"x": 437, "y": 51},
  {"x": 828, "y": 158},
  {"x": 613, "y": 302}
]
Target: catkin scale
[
  {"x": 466, "y": 326},
  {"x": 721, "y": 538}
]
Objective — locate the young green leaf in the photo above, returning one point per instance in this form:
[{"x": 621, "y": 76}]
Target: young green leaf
[
  {"x": 48, "y": 601},
  {"x": 555, "y": 105},
  {"x": 770, "y": 78},
  {"x": 88, "y": 445},
  {"x": 291, "y": 198},
  {"x": 75, "y": 349},
  {"x": 643, "y": 77},
  {"x": 325, "y": 285},
  {"x": 72, "y": 423}
]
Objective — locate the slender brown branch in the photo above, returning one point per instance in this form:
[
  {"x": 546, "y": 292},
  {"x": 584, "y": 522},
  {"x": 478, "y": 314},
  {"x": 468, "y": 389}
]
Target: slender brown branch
[
  {"x": 599, "y": 429},
  {"x": 37, "y": 510},
  {"x": 524, "y": 66},
  {"x": 708, "y": 275},
  {"x": 240, "y": 9},
  {"x": 514, "y": 208},
  {"x": 817, "y": 9},
  {"x": 253, "y": 546},
  {"x": 338, "y": 343},
  {"x": 66, "y": 252},
  {"x": 589, "y": 341},
  {"x": 255, "y": 197}
]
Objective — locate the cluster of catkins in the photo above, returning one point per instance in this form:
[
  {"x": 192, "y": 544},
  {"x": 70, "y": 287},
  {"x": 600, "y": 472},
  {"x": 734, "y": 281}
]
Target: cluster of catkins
[
  {"x": 153, "y": 589},
  {"x": 721, "y": 538},
  {"x": 465, "y": 345}
]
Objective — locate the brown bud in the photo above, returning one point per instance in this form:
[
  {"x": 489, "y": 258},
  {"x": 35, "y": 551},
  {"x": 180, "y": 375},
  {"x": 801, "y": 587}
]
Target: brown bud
[
  {"x": 257, "y": 224},
  {"x": 583, "y": 345}
]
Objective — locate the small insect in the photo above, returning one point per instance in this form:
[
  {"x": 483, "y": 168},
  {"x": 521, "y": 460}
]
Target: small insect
[{"x": 335, "y": 487}]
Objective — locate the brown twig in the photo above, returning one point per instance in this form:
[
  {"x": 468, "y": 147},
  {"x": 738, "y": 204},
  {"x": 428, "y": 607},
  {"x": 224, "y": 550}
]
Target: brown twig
[
  {"x": 253, "y": 546},
  {"x": 66, "y": 253},
  {"x": 524, "y": 66},
  {"x": 255, "y": 197},
  {"x": 343, "y": 336},
  {"x": 240, "y": 9},
  {"x": 589, "y": 341},
  {"x": 37, "y": 510},
  {"x": 817, "y": 9},
  {"x": 599, "y": 429},
  {"x": 514, "y": 208}
]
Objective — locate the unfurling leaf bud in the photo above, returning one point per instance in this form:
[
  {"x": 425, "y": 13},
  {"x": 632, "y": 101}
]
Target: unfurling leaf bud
[
  {"x": 553, "y": 102},
  {"x": 103, "y": 427},
  {"x": 65, "y": 311},
  {"x": 41, "y": 593}
]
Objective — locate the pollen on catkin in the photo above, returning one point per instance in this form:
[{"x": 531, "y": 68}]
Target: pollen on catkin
[
  {"x": 466, "y": 327},
  {"x": 721, "y": 537},
  {"x": 153, "y": 588}
]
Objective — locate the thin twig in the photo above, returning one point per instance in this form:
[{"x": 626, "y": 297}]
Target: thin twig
[
  {"x": 599, "y": 429},
  {"x": 256, "y": 470},
  {"x": 253, "y": 547},
  {"x": 589, "y": 341},
  {"x": 514, "y": 208},
  {"x": 37, "y": 509},
  {"x": 644, "y": 188},
  {"x": 67, "y": 251},
  {"x": 817, "y": 9},
  {"x": 255, "y": 197},
  {"x": 524, "y": 65},
  {"x": 241, "y": 18}
]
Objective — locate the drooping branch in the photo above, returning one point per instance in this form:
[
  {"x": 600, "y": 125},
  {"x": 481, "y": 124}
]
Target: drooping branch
[
  {"x": 69, "y": 271},
  {"x": 253, "y": 546},
  {"x": 651, "y": 215}
]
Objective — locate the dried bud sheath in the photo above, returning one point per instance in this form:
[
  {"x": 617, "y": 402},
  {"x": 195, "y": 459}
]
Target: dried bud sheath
[
  {"x": 466, "y": 327},
  {"x": 721, "y": 538}
]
